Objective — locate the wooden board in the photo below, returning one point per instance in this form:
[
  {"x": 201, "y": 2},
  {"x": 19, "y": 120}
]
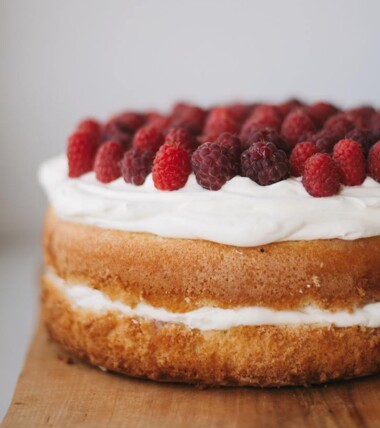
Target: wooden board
[{"x": 54, "y": 392}]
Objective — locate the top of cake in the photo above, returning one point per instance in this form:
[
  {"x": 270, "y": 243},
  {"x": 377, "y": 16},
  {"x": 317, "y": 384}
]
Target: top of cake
[{"x": 241, "y": 174}]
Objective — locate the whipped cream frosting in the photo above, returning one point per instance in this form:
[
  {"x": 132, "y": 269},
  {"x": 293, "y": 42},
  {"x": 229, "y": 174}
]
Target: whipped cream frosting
[
  {"x": 242, "y": 213},
  {"x": 211, "y": 318}
]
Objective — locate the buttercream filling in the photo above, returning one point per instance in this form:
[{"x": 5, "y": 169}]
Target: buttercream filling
[
  {"x": 212, "y": 318},
  {"x": 241, "y": 213}
]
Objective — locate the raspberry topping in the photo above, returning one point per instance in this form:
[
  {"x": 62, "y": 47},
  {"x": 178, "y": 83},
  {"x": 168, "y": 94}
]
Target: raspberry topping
[
  {"x": 285, "y": 108},
  {"x": 188, "y": 116},
  {"x": 296, "y": 124},
  {"x": 374, "y": 162},
  {"x": 148, "y": 138},
  {"x": 364, "y": 137},
  {"x": 263, "y": 116},
  {"x": 233, "y": 144},
  {"x": 81, "y": 149},
  {"x": 300, "y": 154},
  {"x": 269, "y": 135},
  {"x": 171, "y": 167},
  {"x": 90, "y": 126},
  {"x": 136, "y": 165},
  {"x": 339, "y": 124},
  {"x": 181, "y": 137},
  {"x": 375, "y": 121},
  {"x": 264, "y": 163},
  {"x": 349, "y": 158},
  {"x": 321, "y": 176},
  {"x": 240, "y": 112},
  {"x": 320, "y": 112},
  {"x": 324, "y": 140},
  {"x": 220, "y": 119},
  {"x": 107, "y": 161},
  {"x": 361, "y": 117},
  {"x": 213, "y": 165},
  {"x": 158, "y": 121}
]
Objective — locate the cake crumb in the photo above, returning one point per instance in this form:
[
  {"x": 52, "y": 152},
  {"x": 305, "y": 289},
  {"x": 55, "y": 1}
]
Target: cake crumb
[{"x": 65, "y": 358}]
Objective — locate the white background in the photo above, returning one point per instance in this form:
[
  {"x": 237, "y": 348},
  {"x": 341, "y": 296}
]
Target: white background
[{"x": 63, "y": 60}]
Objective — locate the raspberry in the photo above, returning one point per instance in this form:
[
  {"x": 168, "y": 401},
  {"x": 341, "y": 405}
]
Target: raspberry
[
  {"x": 114, "y": 131},
  {"x": 213, "y": 165},
  {"x": 158, "y": 121},
  {"x": 339, "y": 124},
  {"x": 188, "y": 116},
  {"x": 240, "y": 112},
  {"x": 374, "y": 162},
  {"x": 269, "y": 135},
  {"x": 90, "y": 126},
  {"x": 107, "y": 161},
  {"x": 233, "y": 144},
  {"x": 81, "y": 149},
  {"x": 220, "y": 120},
  {"x": 264, "y": 163},
  {"x": 300, "y": 154},
  {"x": 296, "y": 124},
  {"x": 181, "y": 137},
  {"x": 364, "y": 137},
  {"x": 136, "y": 165},
  {"x": 129, "y": 121},
  {"x": 361, "y": 116},
  {"x": 148, "y": 138},
  {"x": 171, "y": 167},
  {"x": 324, "y": 140},
  {"x": 320, "y": 112},
  {"x": 349, "y": 157},
  {"x": 263, "y": 116},
  {"x": 375, "y": 121},
  {"x": 285, "y": 108},
  {"x": 321, "y": 176}
]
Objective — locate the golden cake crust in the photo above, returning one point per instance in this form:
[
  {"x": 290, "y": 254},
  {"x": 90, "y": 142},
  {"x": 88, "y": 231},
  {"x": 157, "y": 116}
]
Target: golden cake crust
[
  {"x": 182, "y": 274},
  {"x": 246, "y": 355}
]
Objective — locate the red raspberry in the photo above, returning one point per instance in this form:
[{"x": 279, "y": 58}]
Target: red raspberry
[
  {"x": 264, "y": 163},
  {"x": 171, "y": 167},
  {"x": 285, "y": 108},
  {"x": 240, "y": 112},
  {"x": 375, "y": 121},
  {"x": 339, "y": 124},
  {"x": 107, "y": 161},
  {"x": 296, "y": 124},
  {"x": 181, "y": 137},
  {"x": 114, "y": 131},
  {"x": 320, "y": 112},
  {"x": 364, "y": 137},
  {"x": 129, "y": 121},
  {"x": 136, "y": 165},
  {"x": 263, "y": 116},
  {"x": 158, "y": 121},
  {"x": 148, "y": 138},
  {"x": 233, "y": 144},
  {"x": 92, "y": 127},
  {"x": 374, "y": 162},
  {"x": 361, "y": 116},
  {"x": 321, "y": 176},
  {"x": 220, "y": 120},
  {"x": 324, "y": 140},
  {"x": 213, "y": 165},
  {"x": 81, "y": 149},
  {"x": 269, "y": 135},
  {"x": 188, "y": 116},
  {"x": 300, "y": 154},
  {"x": 349, "y": 157}
]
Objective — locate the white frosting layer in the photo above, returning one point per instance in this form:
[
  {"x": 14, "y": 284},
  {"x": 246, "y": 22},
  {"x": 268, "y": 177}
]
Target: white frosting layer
[
  {"x": 209, "y": 318},
  {"x": 242, "y": 213}
]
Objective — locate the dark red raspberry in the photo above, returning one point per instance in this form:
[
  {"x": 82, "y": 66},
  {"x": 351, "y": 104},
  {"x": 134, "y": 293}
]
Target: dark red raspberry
[
  {"x": 374, "y": 162},
  {"x": 265, "y": 164},
  {"x": 364, "y": 137},
  {"x": 91, "y": 126},
  {"x": 171, "y": 167},
  {"x": 339, "y": 124},
  {"x": 129, "y": 121},
  {"x": 158, "y": 121},
  {"x": 81, "y": 149},
  {"x": 107, "y": 161},
  {"x": 240, "y": 112},
  {"x": 220, "y": 119},
  {"x": 148, "y": 138},
  {"x": 361, "y": 116},
  {"x": 285, "y": 108},
  {"x": 213, "y": 165},
  {"x": 324, "y": 140},
  {"x": 269, "y": 135},
  {"x": 296, "y": 124},
  {"x": 114, "y": 131},
  {"x": 375, "y": 121},
  {"x": 136, "y": 165},
  {"x": 188, "y": 116},
  {"x": 321, "y": 176},
  {"x": 350, "y": 160},
  {"x": 300, "y": 154},
  {"x": 263, "y": 116},
  {"x": 320, "y": 112},
  {"x": 181, "y": 137},
  {"x": 233, "y": 144}
]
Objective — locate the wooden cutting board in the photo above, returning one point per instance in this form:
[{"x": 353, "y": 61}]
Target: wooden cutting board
[{"x": 54, "y": 391}]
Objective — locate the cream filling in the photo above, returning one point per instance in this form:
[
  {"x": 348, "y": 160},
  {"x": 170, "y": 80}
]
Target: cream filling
[{"x": 211, "y": 318}]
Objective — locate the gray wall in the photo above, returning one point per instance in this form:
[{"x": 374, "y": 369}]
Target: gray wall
[{"x": 62, "y": 60}]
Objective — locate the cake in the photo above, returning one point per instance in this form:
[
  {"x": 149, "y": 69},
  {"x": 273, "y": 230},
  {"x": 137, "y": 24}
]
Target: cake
[{"x": 238, "y": 245}]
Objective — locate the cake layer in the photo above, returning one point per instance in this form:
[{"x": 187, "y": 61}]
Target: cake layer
[
  {"x": 242, "y": 213},
  {"x": 181, "y": 275},
  {"x": 245, "y": 355}
]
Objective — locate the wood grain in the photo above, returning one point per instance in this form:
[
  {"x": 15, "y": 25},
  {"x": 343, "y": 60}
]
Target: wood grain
[{"x": 53, "y": 391}]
